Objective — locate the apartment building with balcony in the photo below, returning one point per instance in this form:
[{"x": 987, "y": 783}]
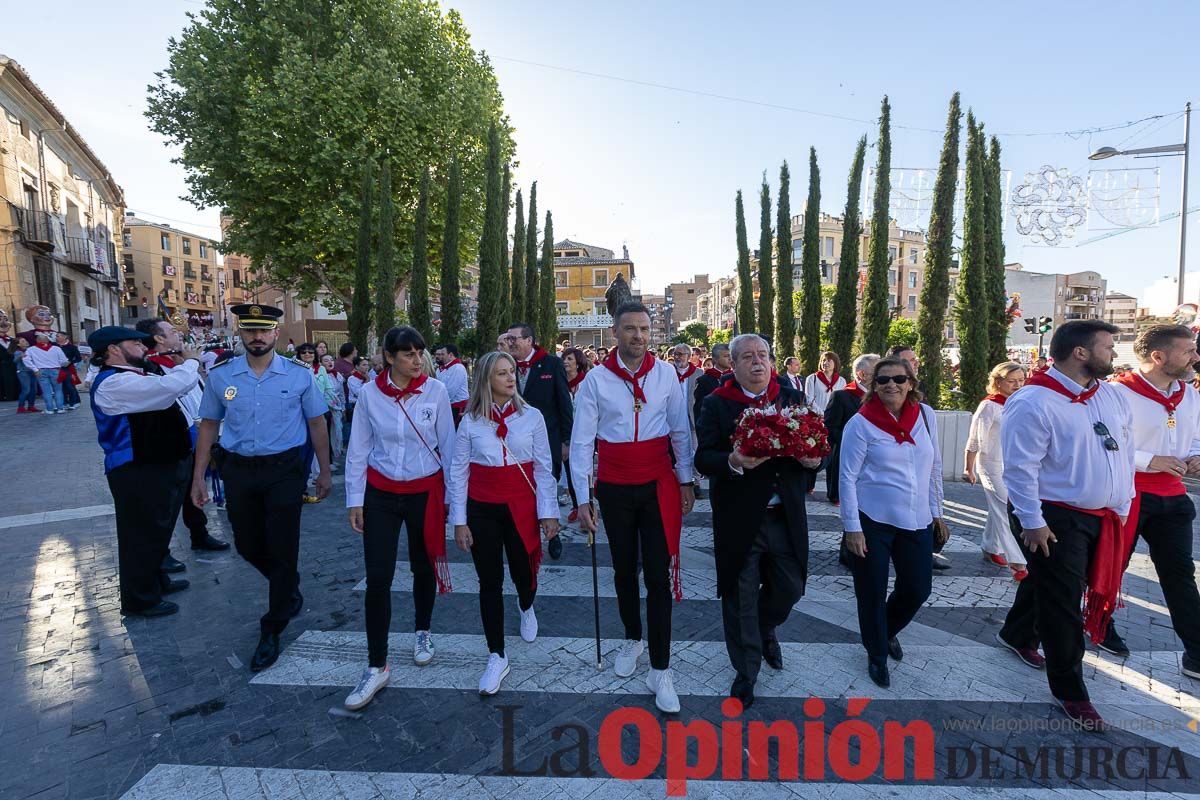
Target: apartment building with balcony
[
  {"x": 582, "y": 274},
  {"x": 168, "y": 270},
  {"x": 1122, "y": 310},
  {"x": 60, "y": 214},
  {"x": 1062, "y": 297}
]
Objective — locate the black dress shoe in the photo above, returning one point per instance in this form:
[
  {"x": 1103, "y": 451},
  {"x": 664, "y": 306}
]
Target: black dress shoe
[
  {"x": 895, "y": 650},
  {"x": 172, "y": 564},
  {"x": 772, "y": 653},
  {"x": 940, "y": 562},
  {"x": 743, "y": 690},
  {"x": 297, "y": 605},
  {"x": 266, "y": 653},
  {"x": 1113, "y": 643},
  {"x": 555, "y": 548},
  {"x": 698, "y": 491},
  {"x": 163, "y": 608},
  {"x": 208, "y": 542},
  {"x": 171, "y": 587},
  {"x": 878, "y": 670}
]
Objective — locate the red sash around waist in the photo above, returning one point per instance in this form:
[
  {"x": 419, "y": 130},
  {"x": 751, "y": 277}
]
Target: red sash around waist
[
  {"x": 1163, "y": 484},
  {"x": 1105, "y": 571},
  {"x": 634, "y": 463},
  {"x": 435, "y": 516},
  {"x": 505, "y": 486}
]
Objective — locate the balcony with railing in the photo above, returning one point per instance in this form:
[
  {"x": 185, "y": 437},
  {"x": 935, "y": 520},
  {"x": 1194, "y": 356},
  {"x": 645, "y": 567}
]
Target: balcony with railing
[
  {"x": 33, "y": 228},
  {"x": 1083, "y": 299},
  {"x": 569, "y": 322},
  {"x": 78, "y": 251}
]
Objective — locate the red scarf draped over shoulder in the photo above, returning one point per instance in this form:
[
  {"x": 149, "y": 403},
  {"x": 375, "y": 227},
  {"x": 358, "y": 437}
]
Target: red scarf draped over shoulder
[
  {"x": 445, "y": 367},
  {"x": 732, "y": 390},
  {"x": 996, "y": 398},
  {"x": 537, "y": 355},
  {"x": 687, "y": 373},
  {"x": 901, "y": 429},
  {"x": 612, "y": 365},
  {"x": 573, "y": 383},
  {"x": 1044, "y": 379},
  {"x": 853, "y": 388},
  {"x": 828, "y": 383}
]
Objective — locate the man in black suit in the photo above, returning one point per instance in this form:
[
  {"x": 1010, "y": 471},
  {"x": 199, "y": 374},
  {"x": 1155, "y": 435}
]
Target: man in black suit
[
  {"x": 711, "y": 379},
  {"x": 542, "y": 381},
  {"x": 760, "y": 528}
]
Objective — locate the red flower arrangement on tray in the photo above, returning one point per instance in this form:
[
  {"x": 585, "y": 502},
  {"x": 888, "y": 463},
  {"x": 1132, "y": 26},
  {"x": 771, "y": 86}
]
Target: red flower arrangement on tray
[{"x": 793, "y": 431}]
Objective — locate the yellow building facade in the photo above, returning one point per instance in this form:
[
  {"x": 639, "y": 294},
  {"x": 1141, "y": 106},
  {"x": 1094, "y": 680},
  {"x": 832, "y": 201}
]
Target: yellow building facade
[{"x": 169, "y": 270}]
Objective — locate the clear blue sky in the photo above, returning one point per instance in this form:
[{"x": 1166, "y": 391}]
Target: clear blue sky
[{"x": 619, "y": 162}]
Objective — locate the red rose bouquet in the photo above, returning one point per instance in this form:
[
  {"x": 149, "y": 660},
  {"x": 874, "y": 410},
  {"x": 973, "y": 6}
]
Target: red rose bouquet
[{"x": 795, "y": 432}]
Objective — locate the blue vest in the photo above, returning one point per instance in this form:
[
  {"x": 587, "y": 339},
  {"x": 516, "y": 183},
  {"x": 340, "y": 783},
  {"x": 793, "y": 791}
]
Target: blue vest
[
  {"x": 148, "y": 437},
  {"x": 114, "y": 434}
]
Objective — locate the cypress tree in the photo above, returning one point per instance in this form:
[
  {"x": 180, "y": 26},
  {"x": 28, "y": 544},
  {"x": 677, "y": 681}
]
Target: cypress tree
[
  {"x": 488, "y": 322},
  {"x": 505, "y": 269},
  {"x": 531, "y": 262},
  {"x": 766, "y": 282},
  {"x": 844, "y": 316},
  {"x": 547, "y": 313},
  {"x": 451, "y": 327},
  {"x": 385, "y": 284},
  {"x": 419, "y": 311},
  {"x": 517, "y": 305},
  {"x": 997, "y": 294},
  {"x": 939, "y": 252},
  {"x": 785, "y": 310},
  {"x": 971, "y": 296},
  {"x": 359, "y": 322},
  {"x": 810, "y": 274},
  {"x": 876, "y": 315},
  {"x": 745, "y": 301}
]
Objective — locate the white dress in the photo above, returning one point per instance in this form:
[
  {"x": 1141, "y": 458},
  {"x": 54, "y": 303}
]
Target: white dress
[{"x": 984, "y": 440}]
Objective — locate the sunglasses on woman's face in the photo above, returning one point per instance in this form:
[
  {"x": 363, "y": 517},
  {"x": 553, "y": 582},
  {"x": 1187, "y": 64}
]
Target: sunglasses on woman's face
[{"x": 884, "y": 380}]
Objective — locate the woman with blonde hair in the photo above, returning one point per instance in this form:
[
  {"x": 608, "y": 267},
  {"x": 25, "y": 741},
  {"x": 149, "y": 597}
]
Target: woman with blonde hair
[
  {"x": 985, "y": 465},
  {"x": 502, "y": 500},
  {"x": 428, "y": 368}
]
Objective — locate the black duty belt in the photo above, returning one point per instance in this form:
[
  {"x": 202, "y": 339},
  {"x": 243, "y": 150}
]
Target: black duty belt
[{"x": 272, "y": 459}]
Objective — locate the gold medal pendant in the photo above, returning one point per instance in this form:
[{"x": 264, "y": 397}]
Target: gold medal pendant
[
  {"x": 637, "y": 406},
  {"x": 1171, "y": 420},
  {"x": 230, "y": 392}
]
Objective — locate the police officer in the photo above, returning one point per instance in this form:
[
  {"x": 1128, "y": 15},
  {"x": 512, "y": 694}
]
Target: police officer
[{"x": 270, "y": 406}]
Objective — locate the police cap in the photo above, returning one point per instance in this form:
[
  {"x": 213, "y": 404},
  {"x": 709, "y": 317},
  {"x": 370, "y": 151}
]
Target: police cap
[{"x": 252, "y": 316}]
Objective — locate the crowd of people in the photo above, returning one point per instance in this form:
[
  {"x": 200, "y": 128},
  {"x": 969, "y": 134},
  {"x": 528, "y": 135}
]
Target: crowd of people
[{"x": 1075, "y": 469}]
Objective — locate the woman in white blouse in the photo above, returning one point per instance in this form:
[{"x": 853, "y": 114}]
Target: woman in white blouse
[
  {"x": 402, "y": 434},
  {"x": 821, "y": 385},
  {"x": 502, "y": 501},
  {"x": 985, "y": 465},
  {"x": 891, "y": 494}
]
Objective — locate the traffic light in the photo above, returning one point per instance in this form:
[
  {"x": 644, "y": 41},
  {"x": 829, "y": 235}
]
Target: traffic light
[
  {"x": 1044, "y": 324},
  {"x": 1030, "y": 325}
]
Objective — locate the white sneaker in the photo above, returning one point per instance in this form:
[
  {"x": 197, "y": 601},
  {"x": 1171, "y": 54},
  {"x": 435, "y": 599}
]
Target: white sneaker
[
  {"x": 627, "y": 658},
  {"x": 423, "y": 649},
  {"x": 496, "y": 671},
  {"x": 373, "y": 679},
  {"x": 662, "y": 684},
  {"x": 528, "y": 624},
  {"x": 48, "y": 412}
]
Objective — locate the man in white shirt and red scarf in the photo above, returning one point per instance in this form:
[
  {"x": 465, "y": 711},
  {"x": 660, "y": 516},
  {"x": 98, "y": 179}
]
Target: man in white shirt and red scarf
[
  {"x": 1166, "y": 441},
  {"x": 453, "y": 376},
  {"x": 1068, "y": 467},
  {"x": 688, "y": 373},
  {"x": 631, "y": 408}
]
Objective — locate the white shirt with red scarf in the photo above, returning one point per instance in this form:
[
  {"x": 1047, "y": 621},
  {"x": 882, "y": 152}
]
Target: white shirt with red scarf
[
  {"x": 454, "y": 376},
  {"x": 1152, "y": 436},
  {"x": 604, "y": 409},
  {"x": 818, "y": 393}
]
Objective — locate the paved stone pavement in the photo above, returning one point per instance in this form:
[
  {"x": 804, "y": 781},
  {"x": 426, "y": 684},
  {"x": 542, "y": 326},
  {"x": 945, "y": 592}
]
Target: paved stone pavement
[{"x": 97, "y": 706}]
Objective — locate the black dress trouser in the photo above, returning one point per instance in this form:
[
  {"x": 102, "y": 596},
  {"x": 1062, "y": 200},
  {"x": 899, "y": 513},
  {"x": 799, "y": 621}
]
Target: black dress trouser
[
  {"x": 633, "y": 525},
  {"x": 882, "y": 616},
  {"x": 194, "y": 519},
  {"x": 146, "y": 498},
  {"x": 1165, "y": 523},
  {"x": 263, "y": 497},
  {"x": 495, "y": 538}
]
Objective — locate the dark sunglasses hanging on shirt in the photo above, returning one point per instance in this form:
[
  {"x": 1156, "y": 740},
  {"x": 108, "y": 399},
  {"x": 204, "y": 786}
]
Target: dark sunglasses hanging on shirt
[{"x": 1110, "y": 444}]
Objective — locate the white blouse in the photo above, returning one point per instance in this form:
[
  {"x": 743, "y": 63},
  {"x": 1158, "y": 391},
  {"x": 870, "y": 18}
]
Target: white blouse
[
  {"x": 896, "y": 484},
  {"x": 984, "y": 437},
  {"x": 818, "y": 396},
  {"x": 477, "y": 443},
  {"x": 382, "y": 437}
]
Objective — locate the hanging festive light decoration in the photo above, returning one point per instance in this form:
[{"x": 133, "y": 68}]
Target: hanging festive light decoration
[{"x": 1049, "y": 206}]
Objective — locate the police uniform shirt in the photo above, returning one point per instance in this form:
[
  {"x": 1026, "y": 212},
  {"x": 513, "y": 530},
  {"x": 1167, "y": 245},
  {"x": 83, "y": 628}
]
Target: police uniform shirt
[{"x": 263, "y": 415}]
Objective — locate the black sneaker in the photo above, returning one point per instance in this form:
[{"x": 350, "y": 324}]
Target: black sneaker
[
  {"x": 1113, "y": 643},
  {"x": 1191, "y": 667}
]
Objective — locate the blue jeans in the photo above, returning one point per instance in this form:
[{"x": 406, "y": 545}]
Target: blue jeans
[
  {"x": 28, "y": 395},
  {"x": 881, "y": 617},
  {"x": 51, "y": 389},
  {"x": 70, "y": 393}
]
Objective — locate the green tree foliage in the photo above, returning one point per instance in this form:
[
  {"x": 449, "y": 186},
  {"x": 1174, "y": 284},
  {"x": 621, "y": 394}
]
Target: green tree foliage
[
  {"x": 517, "y": 309},
  {"x": 844, "y": 315},
  {"x": 810, "y": 273},
  {"x": 531, "y": 262},
  {"x": 722, "y": 336},
  {"x": 274, "y": 106},
  {"x": 451, "y": 327},
  {"x": 994, "y": 230},
  {"x": 785, "y": 310},
  {"x": 971, "y": 298},
  {"x": 766, "y": 280},
  {"x": 939, "y": 253},
  {"x": 903, "y": 331},
  {"x": 547, "y": 331},
  {"x": 385, "y": 293},
  {"x": 419, "y": 310},
  {"x": 359, "y": 322},
  {"x": 505, "y": 269},
  {"x": 745, "y": 301},
  {"x": 694, "y": 334},
  {"x": 488, "y": 319},
  {"x": 876, "y": 314}
]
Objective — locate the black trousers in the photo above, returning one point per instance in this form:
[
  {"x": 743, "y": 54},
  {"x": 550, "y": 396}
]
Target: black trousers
[
  {"x": 769, "y": 584},
  {"x": 146, "y": 498},
  {"x": 1166, "y": 525},
  {"x": 70, "y": 393},
  {"x": 495, "y": 536},
  {"x": 383, "y": 515},
  {"x": 831, "y": 473},
  {"x": 263, "y": 500},
  {"x": 633, "y": 524},
  {"x": 880, "y": 616},
  {"x": 1047, "y": 609},
  {"x": 194, "y": 519}
]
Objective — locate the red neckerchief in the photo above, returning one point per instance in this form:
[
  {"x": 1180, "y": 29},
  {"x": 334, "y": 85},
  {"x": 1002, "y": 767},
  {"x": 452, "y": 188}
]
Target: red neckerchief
[
  {"x": 683, "y": 376},
  {"x": 713, "y": 372},
  {"x": 878, "y": 415},
  {"x": 414, "y": 386},
  {"x": 573, "y": 382},
  {"x": 41, "y": 346},
  {"x": 448, "y": 366},
  {"x": 853, "y": 388},
  {"x": 996, "y": 398},
  {"x": 732, "y": 390},
  {"x": 828, "y": 383},
  {"x": 1044, "y": 379},
  {"x": 499, "y": 418},
  {"x": 537, "y": 355},
  {"x": 610, "y": 361},
  {"x": 1143, "y": 387},
  {"x": 162, "y": 361}
]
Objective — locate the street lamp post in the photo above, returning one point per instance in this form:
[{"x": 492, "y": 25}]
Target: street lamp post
[{"x": 1161, "y": 150}]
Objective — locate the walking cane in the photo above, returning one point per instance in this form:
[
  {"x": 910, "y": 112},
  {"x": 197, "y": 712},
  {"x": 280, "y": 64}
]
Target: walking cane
[{"x": 595, "y": 573}]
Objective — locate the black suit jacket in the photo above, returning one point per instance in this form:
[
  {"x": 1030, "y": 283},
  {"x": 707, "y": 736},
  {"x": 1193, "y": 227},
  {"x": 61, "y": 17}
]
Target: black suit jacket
[
  {"x": 546, "y": 390},
  {"x": 843, "y": 405},
  {"x": 739, "y": 502},
  {"x": 705, "y": 385}
]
